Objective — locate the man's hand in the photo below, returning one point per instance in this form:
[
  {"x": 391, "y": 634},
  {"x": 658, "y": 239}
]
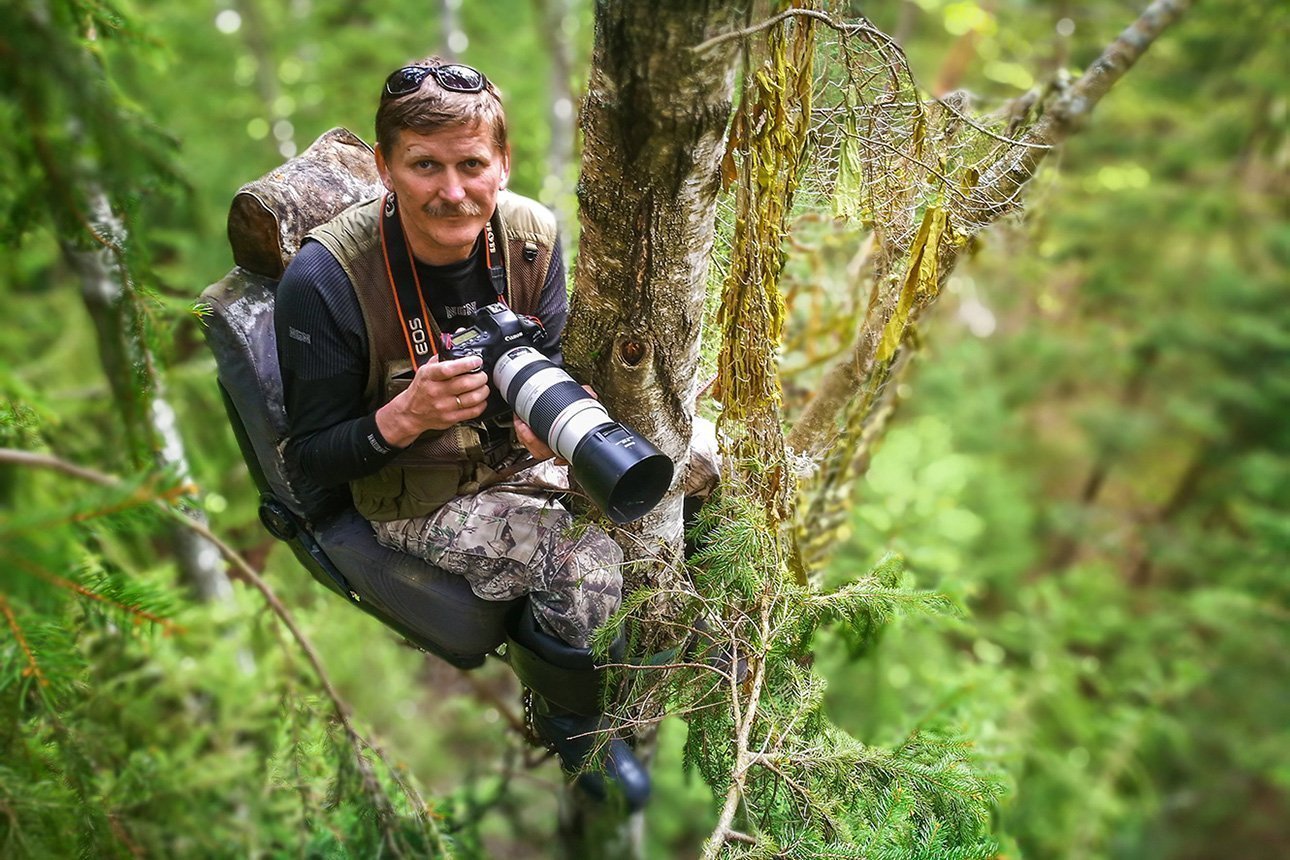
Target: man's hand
[
  {"x": 536, "y": 447},
  {"x": 441, "y": 395}
]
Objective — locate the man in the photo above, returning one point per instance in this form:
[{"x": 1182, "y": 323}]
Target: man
[{"x": 377, "y": 412}]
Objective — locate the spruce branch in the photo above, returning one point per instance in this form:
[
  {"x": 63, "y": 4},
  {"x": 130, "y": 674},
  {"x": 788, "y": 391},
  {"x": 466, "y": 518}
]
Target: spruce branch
[
  {"x": 359, "y": 744},
  {"x": 140, "y": 615},
  {"x": 32, "y": 669}
]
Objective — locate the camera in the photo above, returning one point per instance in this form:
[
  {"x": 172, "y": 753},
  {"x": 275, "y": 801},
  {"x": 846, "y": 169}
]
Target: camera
[{"x": 620, "y": 470}]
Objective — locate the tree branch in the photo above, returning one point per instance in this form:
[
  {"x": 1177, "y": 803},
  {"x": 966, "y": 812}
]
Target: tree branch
[
  {"x": 841, "y": 26},
  {"x": 744, "y": 757},
  {"x": 996, "y": 194},
  {"x": 248, "y": 574}
]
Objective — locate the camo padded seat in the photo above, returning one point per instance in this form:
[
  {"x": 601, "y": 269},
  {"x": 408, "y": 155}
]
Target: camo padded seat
[
  {"x": 270, "y": 216},
  {"x": 431, "y": 608}
]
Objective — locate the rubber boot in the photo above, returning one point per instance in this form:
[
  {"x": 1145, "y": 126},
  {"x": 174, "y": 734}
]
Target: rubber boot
[{"x": 567, "y": 687}]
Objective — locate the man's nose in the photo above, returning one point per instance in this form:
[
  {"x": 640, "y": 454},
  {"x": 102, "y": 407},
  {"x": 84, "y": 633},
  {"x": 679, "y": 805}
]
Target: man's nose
[{"x": 452, "y": 189}]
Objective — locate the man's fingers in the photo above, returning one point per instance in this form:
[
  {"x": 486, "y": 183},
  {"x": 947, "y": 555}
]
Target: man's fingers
[
  {"x": 530, "y": 440},
  {"x": 468, "y": 383},
  {"x": 441, "y": 370},
  {"x": 469, "y": 398}
]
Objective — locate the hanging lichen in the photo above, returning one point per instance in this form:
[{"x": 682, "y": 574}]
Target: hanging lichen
[
  {"x": 765, "y": 155},
  {"x": 920, "y": 284}
]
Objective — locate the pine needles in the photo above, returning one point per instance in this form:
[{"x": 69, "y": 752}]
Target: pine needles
[{"x": 135, "y": 724}]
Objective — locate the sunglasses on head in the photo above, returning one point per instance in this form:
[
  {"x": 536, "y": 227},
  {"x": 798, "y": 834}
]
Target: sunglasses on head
[{"x": 454, "y": 77}]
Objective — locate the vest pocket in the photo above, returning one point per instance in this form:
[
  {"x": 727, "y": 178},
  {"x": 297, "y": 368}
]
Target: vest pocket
[
  {"x": 426, "y": 488},
  {"x": 398, "y": 376},
  {"x": 404, "y": 490}
]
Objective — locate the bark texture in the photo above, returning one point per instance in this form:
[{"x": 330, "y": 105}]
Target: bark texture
[
  {"x": 654, "y": 124},
  {"x": 270, "y": 216}
]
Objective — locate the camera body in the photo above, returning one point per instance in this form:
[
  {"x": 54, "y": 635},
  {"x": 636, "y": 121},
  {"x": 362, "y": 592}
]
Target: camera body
[
  {"x": 620, "y": 470},
  {"x": 495, "y": 329}
]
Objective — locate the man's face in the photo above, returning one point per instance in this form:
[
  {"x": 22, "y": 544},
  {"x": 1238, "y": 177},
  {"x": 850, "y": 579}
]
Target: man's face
[{"x": 447, "y": 184}]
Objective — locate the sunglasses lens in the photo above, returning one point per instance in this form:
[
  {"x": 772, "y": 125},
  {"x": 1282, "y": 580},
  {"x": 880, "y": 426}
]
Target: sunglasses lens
[
  {"x": 461, "y": 79},
  {"x": 406, "y": 80}
]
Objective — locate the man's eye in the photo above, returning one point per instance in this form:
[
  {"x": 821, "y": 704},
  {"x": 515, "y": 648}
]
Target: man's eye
[
  {"x": 424, "y": 164},
  {"x": 472, "y": 163}
]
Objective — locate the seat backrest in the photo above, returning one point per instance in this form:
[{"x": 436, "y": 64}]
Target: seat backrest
[
  {"x": 267, "y": 222},
  {"x": 239, "y": 332}
]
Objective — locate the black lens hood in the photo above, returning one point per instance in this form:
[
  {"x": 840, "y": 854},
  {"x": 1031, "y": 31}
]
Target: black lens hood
[{"x": 622, "y": 471}]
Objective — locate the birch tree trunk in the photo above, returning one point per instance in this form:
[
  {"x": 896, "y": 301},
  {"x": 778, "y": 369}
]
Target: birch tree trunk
[
  {"x": 551, "y": 17},
  {"x": 149, "y": 420},
  {"x": 654, "y": 122},
  {"x": 452, "y": 39},
  {"x": 259, "y": 42}
]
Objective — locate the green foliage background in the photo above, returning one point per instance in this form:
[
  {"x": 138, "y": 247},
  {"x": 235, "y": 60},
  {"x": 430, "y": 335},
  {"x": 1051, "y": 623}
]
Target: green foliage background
[{"x": 1091, "y": 458}]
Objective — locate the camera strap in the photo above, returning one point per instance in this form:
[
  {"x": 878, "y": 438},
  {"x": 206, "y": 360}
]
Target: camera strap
[
  {"x": 420, "y": 331},
  {"x": 496, "y": 273}
]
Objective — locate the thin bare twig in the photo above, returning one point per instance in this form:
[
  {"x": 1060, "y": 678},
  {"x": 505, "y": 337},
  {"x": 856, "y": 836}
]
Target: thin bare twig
[
  {"x": 743, "y": 758},
  {"x": 999, "y": 137},
  {"x": 842, "y": 26}
]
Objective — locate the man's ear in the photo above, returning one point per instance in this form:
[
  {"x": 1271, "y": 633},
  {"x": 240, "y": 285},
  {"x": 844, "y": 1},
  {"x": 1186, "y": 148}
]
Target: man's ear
[
  {"x": 382, "y": 169},
  {"x": 506, "y": 169}
]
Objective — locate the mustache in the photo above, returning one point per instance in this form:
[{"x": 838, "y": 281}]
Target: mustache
[{"x": 465, "y": 209}]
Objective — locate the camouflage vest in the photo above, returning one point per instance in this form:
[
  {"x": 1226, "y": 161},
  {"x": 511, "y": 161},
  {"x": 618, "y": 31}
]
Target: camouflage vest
[{"x": 440, "y": 464}]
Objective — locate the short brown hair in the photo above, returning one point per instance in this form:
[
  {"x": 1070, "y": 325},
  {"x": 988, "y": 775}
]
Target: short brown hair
[{"x": 430, "y": 108}]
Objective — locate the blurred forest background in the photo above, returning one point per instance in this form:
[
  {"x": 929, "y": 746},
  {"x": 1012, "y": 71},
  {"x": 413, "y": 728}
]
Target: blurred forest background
[{"x": 1090, "y": 458}]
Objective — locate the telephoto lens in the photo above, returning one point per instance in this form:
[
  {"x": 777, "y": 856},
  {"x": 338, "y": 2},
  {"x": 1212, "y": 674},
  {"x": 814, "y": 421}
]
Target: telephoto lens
[{"x": 622, "y": 471}]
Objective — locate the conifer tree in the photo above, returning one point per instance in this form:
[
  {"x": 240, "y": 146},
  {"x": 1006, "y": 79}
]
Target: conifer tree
[{"x": 134, "y": 723}]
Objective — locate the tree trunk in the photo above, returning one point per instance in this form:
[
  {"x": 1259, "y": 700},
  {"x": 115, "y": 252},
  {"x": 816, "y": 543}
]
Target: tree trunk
[
  {"x": 452, "y": 39},
  {"x": 259, "y": 41},
  {"x": 148, "y": 418},
  {"x": 557, "y": 192},
  {"x": 654, "y": 124}
]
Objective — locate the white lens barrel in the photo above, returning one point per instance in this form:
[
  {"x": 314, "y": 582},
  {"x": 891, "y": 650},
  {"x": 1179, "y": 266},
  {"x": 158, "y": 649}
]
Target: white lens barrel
[
  {"x": 573, "y": 423},
  {"x": 510, "y": 363},
  {"x": 534, "y": 387}
]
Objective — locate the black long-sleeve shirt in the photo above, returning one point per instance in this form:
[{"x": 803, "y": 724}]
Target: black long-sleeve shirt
[{"x": 322, "y": 353}]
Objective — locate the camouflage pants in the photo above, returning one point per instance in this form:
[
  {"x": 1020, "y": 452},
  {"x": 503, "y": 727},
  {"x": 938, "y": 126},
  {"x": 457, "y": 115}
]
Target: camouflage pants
[{"x": 514, "y": 539}]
